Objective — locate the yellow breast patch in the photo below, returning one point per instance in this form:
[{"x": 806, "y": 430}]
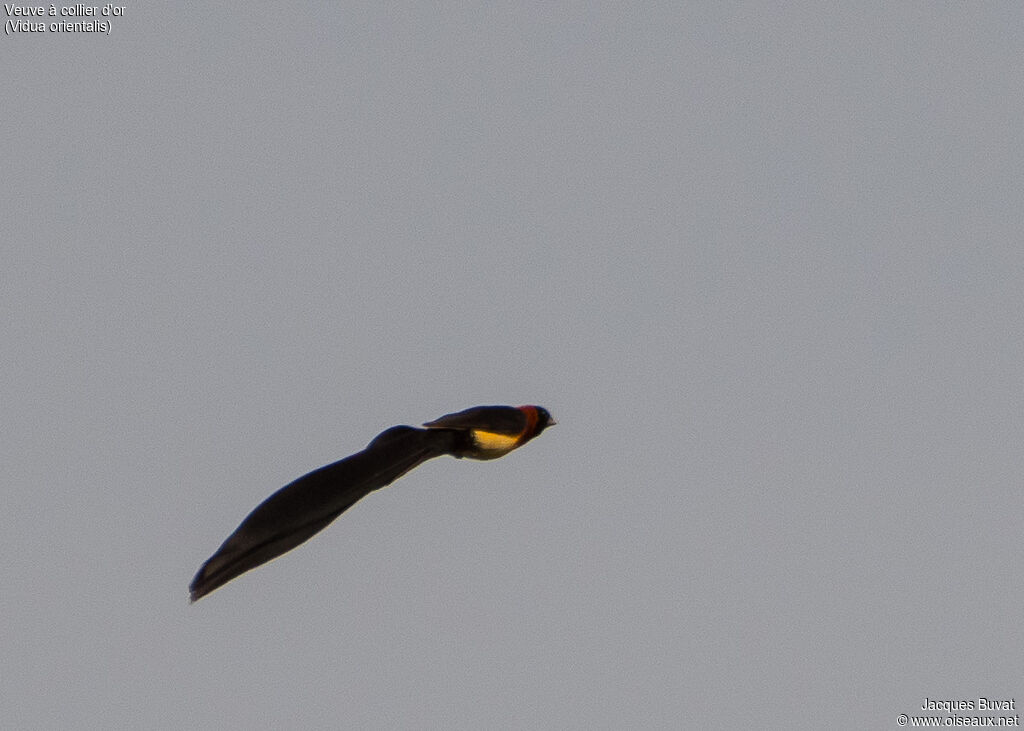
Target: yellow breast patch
[{"x": 493, "y": 445}]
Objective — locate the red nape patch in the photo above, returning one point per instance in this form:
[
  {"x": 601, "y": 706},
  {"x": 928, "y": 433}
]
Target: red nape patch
[{"x": 531, "y": 423}]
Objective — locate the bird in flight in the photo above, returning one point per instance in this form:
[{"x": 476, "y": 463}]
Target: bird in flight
[{"x": 304, "y": 507}]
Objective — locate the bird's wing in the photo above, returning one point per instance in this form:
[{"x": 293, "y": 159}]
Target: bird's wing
[
  {"x": 304, "y": 507},
  {"x": 495, "y": 419}
]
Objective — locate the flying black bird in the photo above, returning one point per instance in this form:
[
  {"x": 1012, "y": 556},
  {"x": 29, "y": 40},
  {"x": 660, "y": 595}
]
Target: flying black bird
[{"x": 304, "y": 507}]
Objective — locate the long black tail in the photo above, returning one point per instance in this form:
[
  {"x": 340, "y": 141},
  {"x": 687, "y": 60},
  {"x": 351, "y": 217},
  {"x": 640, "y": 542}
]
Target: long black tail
[{"x": 306, "y": 506}]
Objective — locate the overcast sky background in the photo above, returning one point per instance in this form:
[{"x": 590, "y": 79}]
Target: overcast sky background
[{"x": 763, "y": 262}]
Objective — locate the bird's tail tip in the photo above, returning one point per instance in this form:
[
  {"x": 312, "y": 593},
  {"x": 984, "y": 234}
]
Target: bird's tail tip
[{"x": 198, "y": 588}]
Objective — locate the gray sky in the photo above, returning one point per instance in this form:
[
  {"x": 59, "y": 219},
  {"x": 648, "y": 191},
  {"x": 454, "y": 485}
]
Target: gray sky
[{"x": 763, "y": 263}]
